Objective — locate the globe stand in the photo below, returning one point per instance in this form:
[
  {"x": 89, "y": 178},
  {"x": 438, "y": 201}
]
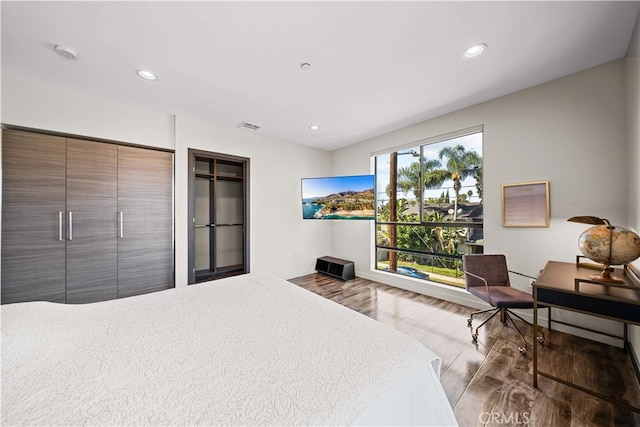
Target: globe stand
[{"x": 606, "y": 277}]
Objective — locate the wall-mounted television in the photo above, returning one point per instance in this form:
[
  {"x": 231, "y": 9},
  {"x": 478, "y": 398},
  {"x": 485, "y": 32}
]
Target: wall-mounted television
[{"x": 338, "y": 197}]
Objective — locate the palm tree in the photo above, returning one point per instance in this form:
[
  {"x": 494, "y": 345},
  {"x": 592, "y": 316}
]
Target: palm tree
[
  {"x": 409, "y": 179},
  {"x": 409, "y": 176},
  {"x": 460, "y": 164}
]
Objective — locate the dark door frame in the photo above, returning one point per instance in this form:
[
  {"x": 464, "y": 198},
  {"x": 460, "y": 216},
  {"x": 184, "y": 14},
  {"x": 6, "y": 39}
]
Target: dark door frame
[{"x": 194, "y": 154}]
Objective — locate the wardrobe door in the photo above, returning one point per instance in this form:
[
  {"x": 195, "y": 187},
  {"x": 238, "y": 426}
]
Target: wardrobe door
[
  {"x": 33, "y": 206},
  {"x": 145, "y": 209},
  {"x": 92, "y": 269}
]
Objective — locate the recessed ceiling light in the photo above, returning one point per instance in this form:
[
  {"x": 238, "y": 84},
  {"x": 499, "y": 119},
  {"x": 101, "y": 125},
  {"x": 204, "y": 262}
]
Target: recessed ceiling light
[
  {"x": 147, "y": 75},
  {"x": 305, "y": 66},
  {"x": 314, "y": 127},
  {"x": 474, "y": 50}
]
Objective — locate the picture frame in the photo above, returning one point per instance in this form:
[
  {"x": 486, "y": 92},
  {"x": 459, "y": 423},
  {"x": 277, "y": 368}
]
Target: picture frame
[{"x": 525, "y": 204}]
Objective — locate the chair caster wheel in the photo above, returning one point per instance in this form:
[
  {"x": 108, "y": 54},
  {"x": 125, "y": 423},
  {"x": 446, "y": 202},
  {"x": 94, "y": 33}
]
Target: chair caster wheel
[
  {"x": 474, "y": 337},
  {"x": 522, "y": 350},
  {"x": 469, "y": 322},
  {"x": 541, "y": 340}
]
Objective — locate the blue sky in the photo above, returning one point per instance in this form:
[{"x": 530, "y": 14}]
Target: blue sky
[
  {"x": 320, "y": 187},
  {"x": 471, "y": 142}
]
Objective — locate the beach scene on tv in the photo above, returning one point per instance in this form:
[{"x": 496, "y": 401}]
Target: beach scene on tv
[{"x": 338, "y": 197}]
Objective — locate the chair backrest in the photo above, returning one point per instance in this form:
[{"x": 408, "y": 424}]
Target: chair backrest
[{"x": 492, "y": 267}]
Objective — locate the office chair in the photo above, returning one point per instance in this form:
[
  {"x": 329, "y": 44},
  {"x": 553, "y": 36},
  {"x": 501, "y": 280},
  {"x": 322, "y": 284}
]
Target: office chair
[{"x": 487, "y": 277}]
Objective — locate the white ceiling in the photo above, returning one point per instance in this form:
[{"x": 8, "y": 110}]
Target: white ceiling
[{"x": 375, "y": 66}]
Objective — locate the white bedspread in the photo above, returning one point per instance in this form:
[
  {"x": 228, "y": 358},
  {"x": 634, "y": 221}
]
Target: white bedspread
[{"x": 249, "y": 350}]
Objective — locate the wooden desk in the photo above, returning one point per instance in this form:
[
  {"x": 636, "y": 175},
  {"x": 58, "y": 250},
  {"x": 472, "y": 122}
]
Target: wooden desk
[{"x": 567, "y": 286}]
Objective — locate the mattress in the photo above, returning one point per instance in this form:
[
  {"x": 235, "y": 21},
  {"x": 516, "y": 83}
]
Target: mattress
[{"x": 247, "y": 350}]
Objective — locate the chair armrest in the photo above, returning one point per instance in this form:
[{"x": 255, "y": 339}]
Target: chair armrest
[
  {"x": 486, "y": 285},
  {"x": 521, "y": 274}
]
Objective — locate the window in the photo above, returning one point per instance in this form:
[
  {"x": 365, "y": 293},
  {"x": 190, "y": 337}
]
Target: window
[{"x": 429, "y": 207}]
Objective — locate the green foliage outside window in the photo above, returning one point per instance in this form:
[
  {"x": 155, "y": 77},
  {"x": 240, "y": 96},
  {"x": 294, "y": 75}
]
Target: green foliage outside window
[{"x": 422, "y": 240}]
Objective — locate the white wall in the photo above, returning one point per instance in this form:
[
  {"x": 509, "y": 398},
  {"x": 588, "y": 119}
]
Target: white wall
[
  {"x": 37, "y": 106},
  {"x": 570, "y": 131},
  {"x": 633, "y": 135},
  {"x": 280, "y": 241}
]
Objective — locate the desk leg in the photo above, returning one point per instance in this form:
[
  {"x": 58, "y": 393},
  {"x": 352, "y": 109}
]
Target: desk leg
[
  {"x": 535, "y": 337},
  {"x": 625, "y": 346}
]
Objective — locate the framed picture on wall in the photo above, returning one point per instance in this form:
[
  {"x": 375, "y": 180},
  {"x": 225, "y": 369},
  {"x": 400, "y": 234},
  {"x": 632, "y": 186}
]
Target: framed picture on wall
[{"x": 525, "y": 204}]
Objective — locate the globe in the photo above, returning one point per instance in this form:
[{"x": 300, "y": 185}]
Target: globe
[{"x": 595, "y": 242}]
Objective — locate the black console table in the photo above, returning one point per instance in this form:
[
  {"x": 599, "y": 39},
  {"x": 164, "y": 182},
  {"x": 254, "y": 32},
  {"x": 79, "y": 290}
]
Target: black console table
[
  {"x": 336, "y": 267},
  {"x": 568, "y": 286}
]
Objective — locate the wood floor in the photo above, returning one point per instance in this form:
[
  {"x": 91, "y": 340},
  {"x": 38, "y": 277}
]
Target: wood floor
[{"x": 490, "y": 382}]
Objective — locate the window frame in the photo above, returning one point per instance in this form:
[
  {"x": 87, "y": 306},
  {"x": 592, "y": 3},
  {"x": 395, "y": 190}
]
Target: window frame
[{"x": 422, "y": 222}]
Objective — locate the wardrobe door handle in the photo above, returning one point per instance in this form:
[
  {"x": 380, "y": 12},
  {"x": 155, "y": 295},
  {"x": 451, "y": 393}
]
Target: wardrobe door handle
[
  {"x": 70, "y": 225},
  {"x": 121, "y": 225},
  {"x": 60, "y": 226}
]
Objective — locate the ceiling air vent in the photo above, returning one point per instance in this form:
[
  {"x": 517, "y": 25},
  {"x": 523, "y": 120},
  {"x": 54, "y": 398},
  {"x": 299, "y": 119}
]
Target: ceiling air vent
[{"x": 248, "y": 126}]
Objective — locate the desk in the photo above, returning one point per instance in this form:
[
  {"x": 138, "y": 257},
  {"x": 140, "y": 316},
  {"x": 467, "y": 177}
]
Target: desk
[{"x": 567, "y": 286}]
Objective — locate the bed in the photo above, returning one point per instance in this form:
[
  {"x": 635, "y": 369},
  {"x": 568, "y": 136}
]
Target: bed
[{"x": 247, "y": 350}]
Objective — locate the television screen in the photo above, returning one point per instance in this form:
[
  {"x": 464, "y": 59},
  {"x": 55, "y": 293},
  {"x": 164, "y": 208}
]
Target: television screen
[{"x": 338, "y": 197}]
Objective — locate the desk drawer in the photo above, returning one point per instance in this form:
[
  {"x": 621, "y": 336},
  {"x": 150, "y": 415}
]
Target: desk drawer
[{"x": 612, "y": 309}]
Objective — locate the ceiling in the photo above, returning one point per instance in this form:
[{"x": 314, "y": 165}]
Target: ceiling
[{"x": 375, "y": 66}]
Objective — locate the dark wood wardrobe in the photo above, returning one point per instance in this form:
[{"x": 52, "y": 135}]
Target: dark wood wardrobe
[{"x": 84, "y": 221}]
